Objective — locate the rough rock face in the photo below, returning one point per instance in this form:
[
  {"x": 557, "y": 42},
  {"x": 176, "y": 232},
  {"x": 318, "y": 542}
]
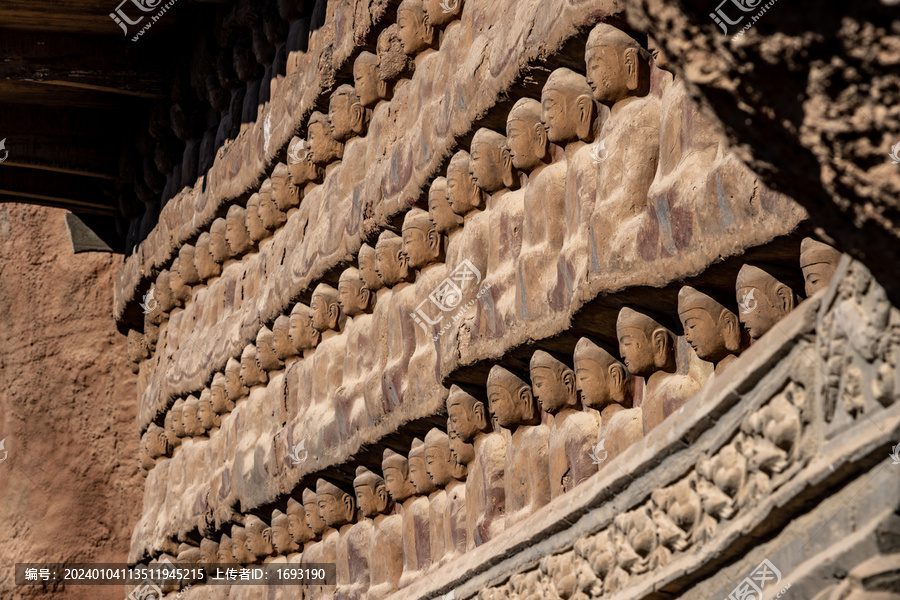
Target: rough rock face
[
  {"x": 810, "y": 101},
  {"x": 69, "y": 486}
]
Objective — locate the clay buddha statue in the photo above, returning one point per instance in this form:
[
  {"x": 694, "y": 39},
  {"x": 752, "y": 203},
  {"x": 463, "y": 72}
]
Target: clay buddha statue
[
  {"x": 186, "y": 266},
  {"x": 325, "y": 310},
  {"x": 222, "y": 404},
  {"x": 166, "y": 299},
  {"x": 763, "y": 297},
  {"x": 285, "y": 194},
  {"x": 402, "y": 490},
  {"x": 355, "y": 302},
  {"x": 316, "y": 551},
  {"x": 209, "y": 419},
  {"x": 818, "y": 262},
  {"x": 181, "y": 291},
  {"x": 226, "y": 550},
  {"x": 252, "y": 373},
  {"x": 304, "y": 173},
  {"x": 421, "y": 240},
  {"x": 648, "y": 349},
  {"x": 338, "y": 509},
  {"x": 526, "y": 469},
  {"x": 282, "y": 540},
  {"x": 385, "y": 560},
  {"x": 235, "y": 388},
  {"x": 393, "y": 62},
  {"x": 206, "y": 265},
  {"x": 605, "y": 385},
  {"x": 190, "y": 419},
  {"x": 209, "y": 555},
  {"x": 265, "y": 350},
  {"x": 303, "y": 336},
  {"x": 355, "y": 296},
  {"x": 712, "y": 330},
  {"x": 439, "y": 466},
  {"x": 445, "y": 220},
  {"x": 259, "y": 539},
  {"x": 456, "y": 522},
  {"x": 218, "y": 244},
  {"x": 360, "y": 536},
  {"x": 390, "y": 262},
  {"x": 573, "y": 432},
  {"x": 468, "y": 420},
  {"x": 236, "y": 234},
  {"x": 324, "y": 150},
  {"x": 417, "y": 517},
  {"x": 270, "y": 215},
  {"x": 347, "y": 114},
  {"x": 367, "y": 82},
  {"x": 239, "y": 548},
  {"x": 298, "y": 528},
  {"x": 175, "y": 428},
  {"x": 393, "y": 311},
  {"x": 416, "y": 34},
  {"x": 284, "y": 347},
  {"x": 372, "y": 385}
]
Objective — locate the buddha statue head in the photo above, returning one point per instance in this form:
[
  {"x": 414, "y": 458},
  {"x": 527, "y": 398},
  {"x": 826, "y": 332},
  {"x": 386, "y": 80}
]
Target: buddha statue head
[
  {"x": 510, "y": 399},
  {"x": 177, "y": 412},
  {"x": 252, "y": 373},
  {"x": 313, "y": 515},
  {"x": 392, "y": 59},
  {"x": 418, "y": 468},
  {"x": 265, "y": 350},
  {"x": 600, "y": 379},
  {"x": 463, "y": 193},
  {"x": 206, "y": 412},
  {"x": 438, "y": 462},
  {"x": 763, "y": 297},
  {"x": 284, "y": 193},
  {"x": 256, "y": 230},
  {"x": 660, "y": 58},
  {"x": 271, "y": 216},
  {"x": 298, "y": 526},
  {"x": 445, "y": 220},
  {"x": 396, "y": 475},
  {"x": 366, "y": 260},
  {"x": 390, "y": 263},
  {"x": 259, "y": 538},
  {"x": 346, "y": 113},
  {"x": 163, "y": 292},
  {"x": 236, "y": 234},
  {"x": 180, "y": 290},
  {"x": 282, "y": 541},
  {"x": 222, "y": 404},
  {"x": 323, "y": 148},
  {"x": 336, "y": 505},
  {"x": 239, "y": 546},
  {"x": 235, "y": 387},
  {"x": 226, "y": 550},
  {"x": 209, "y": 551},
  {"x": 645, "y": 344},
  {"x": 618, "y": 67},
  {"x": 818, "y": 262},
  {"x": 367, "y": 81},
  {"x": 355, "y": 296},
  {"x": 416, "y": 34},
  {"x": 301, "y": 168},
  {"x": 526, "y": 136},
  {"x": 491, "y": 163},
  {"x": 190, "y": 418},
  {"x": 467, "y": 416},
  {"x": 218, "y": 244},
  {"x": 461, "y": 456},
  {"x": 157, "y": 441},
  {"x": 325, "y": 309},
  {"x": 421, "y": 240},
  {"x": 206, "y": 265},
  {"x": 567, "y": 107},
  {"x": 440, "y": 12},
  {"x": 281, "y": 333},
  {"x": 553, "y": 383},
  {"x": 303, "y": 335},
  {"x": 371, "y": 493},
  {"x": 712, "y": 330},
  {"x": 186, "y": 265}
]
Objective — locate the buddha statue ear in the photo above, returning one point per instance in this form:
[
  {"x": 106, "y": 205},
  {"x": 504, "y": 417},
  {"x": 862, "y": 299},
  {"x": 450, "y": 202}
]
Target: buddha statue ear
[
  {"x": 481, "y": 418},
  {"x": 358, "y": 113},
  {"x": 540, "y": 141},
  {"x": 382, "y": 498},
  {"x": 568, "y": 380},
  {"x": 382, "y": 87},
  {"x": 662, "y": 342},
  {"x": 427, "y": 32},
  {"x": 267, "y": 535},
  {"x": 365, "y": 294},
  {"x": 784, "y": 298},
  {"x": 586, "y": 112},
  {"x": 616, "y": 381},
  {"x": 632, "y": 72},
  {"x": 434, "y": 242},
  {"x": 334, "y": 312},
  {"x": 526, "y": 397},
  {"x": 509, "y": 173},
  {"x": 731, "y": 329},
  {"x": 349, "y": 506}
]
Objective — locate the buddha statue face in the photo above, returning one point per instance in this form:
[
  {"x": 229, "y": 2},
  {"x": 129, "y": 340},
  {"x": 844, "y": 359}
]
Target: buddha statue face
[
  {"x": 763, "y": 299},
  {"x": 303, "y": 335},
  {"x": 299, "y": 529},
  {"x": 301, "y": 168},
  {"x": 390, "y": 262},
  {"x": 226, "y": 550},
  {"x": 438, "y": 463},
  {"x": 234, "y": 385},
  {"x": 396, "y": 476},
  {"x": 491, "y": 163},
  {"x": 467, "y": 417},
  {"x": 336, "y": 506},
  {"x": 252, "y": 373},
  {"x": 346, "y": 114},
  {"x": 818, "y": 262},
  {"x": 265, "y": 350},
  {"x": 645, "y": 345},
  {"x": 526, "y": 136},
  {"x": 239, "y": 546},
  {"x": 510, "y": 399},
  {"x": 285, "y": 194},
  {"x": 206, "y": 413},
  {"x": 186, "y": 266},
  {"x": 259, "y": 538},
  {"x": 282, "y": 540},
  {"x": 190, "y": 419},
  {"x": 567, "y": 107},
  {"x": 445, "y": 220},
  {"x": 178, "y": 418},
  {"x": 157, "y": 441},
  {"x": 180, "y": 290},
  {"x": 236, "y": 234},
  {"x": 355, "y": 297},
  {"x": 255, "y": 227},
  {"x": 206, "y": 265},
  {"x": 421, "y": 240},
  {"x": 163, "y": 293},
  {"x": 437, "y": 13},
  {"x": 553, "y": 383},
  {"x": 222, "y": 404},
  {"x": 209, "y": 551},
  {"x": 617, "y": 66},
  {"x": 371, "y": 493},
  {"x": 463, "y": 194},
  {"x": 313, "y": 515},
  {"x": 281, "y": 334},
  {"x": 272, "y": 218},
  {"x": 323, "y": 148},
  {"x": 418, "y": 469},
  {"x": 712, "y": 330},
  {"x": 367, "y": 270},
  {"x": 369, "y": 86},
  {"x": 325, "y": 308},
  {"x": 600, "y": 379},
  {"x": 461, "y": 455},
  {"x": 415, "y": 34},
  {"x": 392, "y": 58},
  {"x": 218, "y": 244}
]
